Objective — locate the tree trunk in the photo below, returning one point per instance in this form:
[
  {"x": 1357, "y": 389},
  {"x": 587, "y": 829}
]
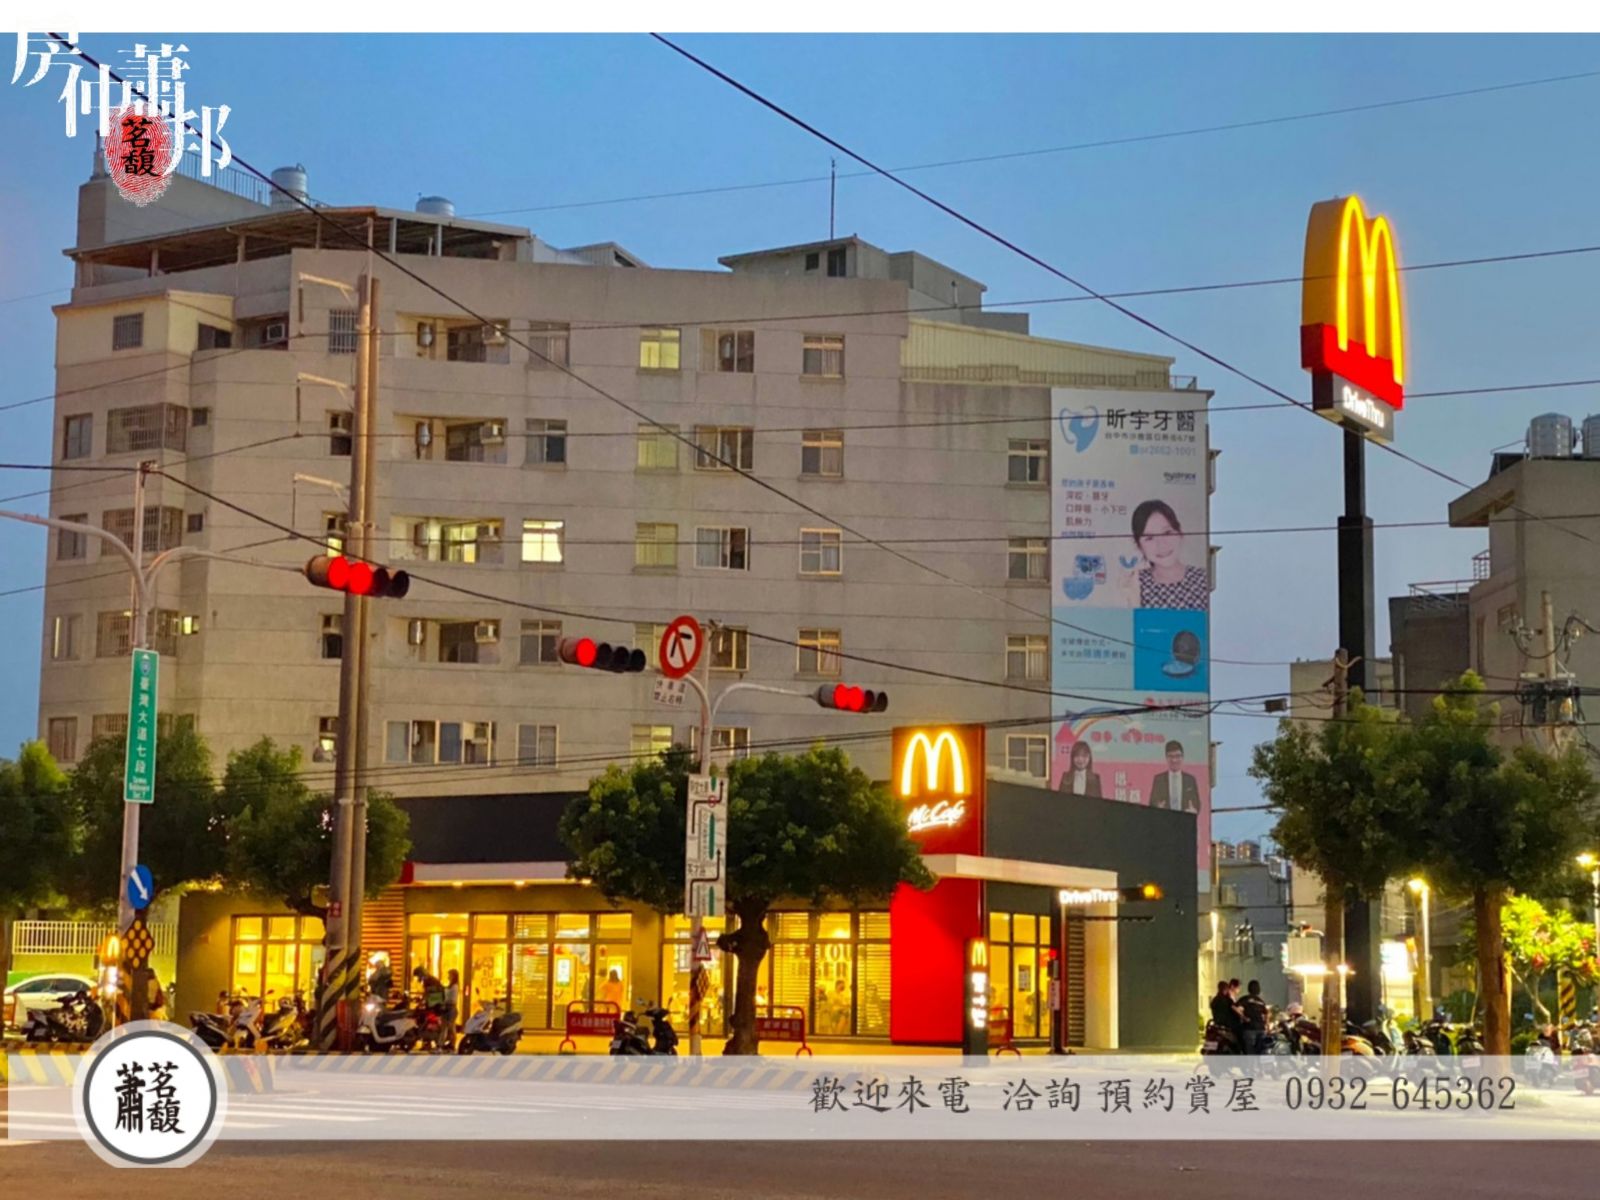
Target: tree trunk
[
  {"x": 1531, "y": 984},
  {"x": 751, "y": 944},
  {"x": 1332, "y": 958},
  {"x": 1493, "y": 986}
]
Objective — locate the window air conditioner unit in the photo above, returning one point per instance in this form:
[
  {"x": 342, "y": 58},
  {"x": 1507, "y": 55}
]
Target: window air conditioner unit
[
  {"x": 483, "y": 731},
  {"x": 416, "y": 633},
  {"x": 276, "y": 331},
  {"x": 494, "y": 335},
  {"x": 493, "y": 433},
  {"x": 486, "y": 632},
  {"x": 487, "y": 533}
]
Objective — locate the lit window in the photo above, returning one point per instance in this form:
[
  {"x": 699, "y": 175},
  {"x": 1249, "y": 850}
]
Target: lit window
[
  {"x": 542, "y": 540},
  {"x": 1027, "y": 559},
  {"x": 649, "y": 740},
  {"x": 541, "y": 643},
  {"x": 719, "y": 547},
  {"x": 339, "y": 433},
  {"x": 729, "y": 351},
  {"x": 659, "y": 349},
  {"x": 1026, "y": 655},
  {"x": 333, "y": 531},
  {"x": 1028, "y": 461},
  {"x": 1027, "y": 753},
  {"x": 818, "y": 652},
  {"x": 655, "y": 545},
  {"x": 658, "y": 448},
  {"x": 724, "y": 447},
  {"x": 328, "y": 737},
  {"x": 127, "y": 331},
  {"x": 547, "y": 443},
  {"x": 77, "y": 436},
  {"x": 821, "y": 552},
  {"x": 536, "y": 745},
  {"x": 822, "y": 356},
  {"x": 822, "y": 453},
  {"x": 730, "y": 649}
]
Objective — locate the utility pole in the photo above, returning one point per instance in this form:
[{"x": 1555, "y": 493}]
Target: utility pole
[
  {"x": 1333, "y": 902},
  {"x": 697, "y": 969},
  {"x": 1556, "y": 728},
  {"x": 367, "y": 348},
  {"x": 340, "y": 972}
]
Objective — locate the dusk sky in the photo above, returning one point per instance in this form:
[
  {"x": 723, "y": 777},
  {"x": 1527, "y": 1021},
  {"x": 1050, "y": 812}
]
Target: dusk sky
[{"x": 532, "y": 128}]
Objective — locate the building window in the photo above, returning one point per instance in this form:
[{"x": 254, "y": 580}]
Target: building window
[
  {"x": 729, "y": 741},
  {"x": 69, "y": 543},
  {"x": 428, "y": 742},
  {"x": 658, "y": 448},
  {"x": 148, "y": 427},
  {"x": 822, "y": 356},
  {"x": 1027, "y": 559},
  {"x": 327, "y": 739},
  {"x": 722, "y": 547},
  {"x": 469, "y": 642},
  {"x": 647, "y": 637},
  {"x": 275, "y": 955},
  {"x": 339, "y": 433},
  {"x": 341, "y": 331},
  {"x": 1019, "y": 945},
  {"x": 541, "y": 643},
  {"x": 548, "y": 343},
  {"x": 821, "y": 552},
  {"x": 1026, "y": 656},
  {"x": 127, "y": 331},
  {"x": 730, "y": 649},
  {"x": 1028, "y": 753},
  {"x": 729, "y": 351},
  {"x": 536, "y": 745},
  {"x": 213, "y": 337},
  {"x": 113, "y": 634},
  {"x": 546, "y": 443},
  {"x": 440, "y": 539},
  {"x": 108, "y": 725},
  {"x": 465, "y": 441},
  {"x": 194, "y": 522},
  {"x": 648, "y": 741},
  {"x": 163, "y": 527},
  {"x": 332, "y": 635},
  {"x": 724, "y": 447},
  {"x": 466, "y": 343},
  {"x": 64, "y": 637},
  {"x": 655, "y": 545},
  {"x": 199, "y": 417},
  {"x": 333, "y": 531},
  {"x": 836, "y": 262},
  {"x": 1028, "y": 461},
  {"x": 166, "y": 626},
  {"x": 542, "y": 540},
  {"x": 818, "y": 652},
  {"x": 659, "y": 349},
  {"x": 813, "y": 260},
  {"x": 77, "y": 436},
  {"x": 62, "y": 738},
  {"x": 822, "y": 453}
]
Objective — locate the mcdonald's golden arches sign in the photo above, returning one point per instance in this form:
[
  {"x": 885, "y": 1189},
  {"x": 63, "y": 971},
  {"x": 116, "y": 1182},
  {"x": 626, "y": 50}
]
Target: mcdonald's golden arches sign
[{"x": 939, "y": 780}]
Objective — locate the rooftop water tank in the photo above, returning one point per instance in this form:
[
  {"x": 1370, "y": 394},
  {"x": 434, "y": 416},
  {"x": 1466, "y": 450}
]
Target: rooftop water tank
[
  {"x": 1591, "y": 436},
  {"x": 436, "y": 206},
  {"x": 1550, "y": 436},
  {"x": 291, "y": 180}
]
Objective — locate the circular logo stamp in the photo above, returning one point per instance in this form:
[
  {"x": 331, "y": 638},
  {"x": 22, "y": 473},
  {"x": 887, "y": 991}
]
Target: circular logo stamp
[
  {"x": 139, "y": 154},
  {"x": 149, "y": 1094}
]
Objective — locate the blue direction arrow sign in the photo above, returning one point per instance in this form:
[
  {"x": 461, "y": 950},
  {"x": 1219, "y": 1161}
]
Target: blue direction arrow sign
[{"x": 141, "y": 886}]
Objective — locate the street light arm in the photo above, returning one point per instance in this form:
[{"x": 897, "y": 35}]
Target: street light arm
[
  {"x": 179, "y": 552},
  {"x": 140, "y": 580},
  {"x": 753, "y": 687}
]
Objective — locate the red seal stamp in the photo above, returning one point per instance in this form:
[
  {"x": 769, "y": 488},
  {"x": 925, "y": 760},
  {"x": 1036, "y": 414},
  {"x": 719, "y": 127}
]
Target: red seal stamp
[{"x": 140, "y": 154}]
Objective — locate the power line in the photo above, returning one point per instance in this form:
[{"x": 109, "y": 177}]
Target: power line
[
  {"x": 1001, "y": 240},
  {"x": 1097, "y": 144}
]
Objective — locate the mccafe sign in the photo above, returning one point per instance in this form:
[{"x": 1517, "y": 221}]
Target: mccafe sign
[{"x": 939, "y": 779}]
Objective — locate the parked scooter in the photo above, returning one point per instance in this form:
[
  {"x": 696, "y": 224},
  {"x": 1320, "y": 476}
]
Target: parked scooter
[
  {"x": 78, "y": 1018},
  {"x": 283, "y": 1029},
  {"x": 387, "y": 1028},
  {"x": 237, "y": 1029},
  {"x": 490, "y": 1031},
  {"x": 665, "y": 1036},
  {"x": 626, "y": 1038}
]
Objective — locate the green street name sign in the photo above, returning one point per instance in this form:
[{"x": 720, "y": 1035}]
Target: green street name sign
[{"x": 139, "y": 766}]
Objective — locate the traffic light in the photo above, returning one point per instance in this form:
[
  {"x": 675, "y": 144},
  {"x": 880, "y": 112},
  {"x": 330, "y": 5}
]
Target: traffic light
[
  {"x": 846, "y": 698},
  {"x": 1140, "y": 891},
  {"x": 356, "y": 577},
  {"x": 602, "y": 656}
]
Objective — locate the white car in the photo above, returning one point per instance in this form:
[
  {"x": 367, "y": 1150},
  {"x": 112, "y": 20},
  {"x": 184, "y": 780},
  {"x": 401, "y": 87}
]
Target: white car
[{"x": 42, "y": 991}]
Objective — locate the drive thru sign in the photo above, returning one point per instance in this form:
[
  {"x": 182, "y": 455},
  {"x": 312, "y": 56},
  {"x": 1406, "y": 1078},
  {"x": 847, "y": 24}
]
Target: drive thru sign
[
  {"x": 139, "y": 764},
  {"x": 681, "y": 644}
]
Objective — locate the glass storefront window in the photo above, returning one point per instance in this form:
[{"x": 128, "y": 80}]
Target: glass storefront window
[
  {"x": 1018, "y": 954},
  {"x": 489, "y": 926},
  {"x": 275, "y": 956},
  {"x": 531, "y": 925},
  {"x": 999, "y": 927},
  {"x": 676, "y": 967},
  {"x": 420, "y": 923},
  {"x": 572, "y": 925}
]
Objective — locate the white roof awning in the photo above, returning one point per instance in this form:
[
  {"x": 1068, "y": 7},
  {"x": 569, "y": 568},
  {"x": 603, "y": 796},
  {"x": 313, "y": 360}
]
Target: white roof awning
[{"x": 1015, "y": 870}]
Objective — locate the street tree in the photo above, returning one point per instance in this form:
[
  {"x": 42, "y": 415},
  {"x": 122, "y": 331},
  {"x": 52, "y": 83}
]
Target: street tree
[
  {"x": 1342, "y": 815},
  {"x": 807, "y": 827},
  {"x": 1494, "y": 822},
  {"x": 180, "y": 834},
  {"x": 280, "y": 832},
  {"x": 36, "y": 837},
  {"x": 1540, "y": 940}
]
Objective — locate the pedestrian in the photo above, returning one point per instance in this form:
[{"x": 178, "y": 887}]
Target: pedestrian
[
  {"x": 452, "y": 1008},
  {"x": 1254, "y": 1010},
  {"x": 612, "y": 990},
  {"x": 1225, "y": 1015}
]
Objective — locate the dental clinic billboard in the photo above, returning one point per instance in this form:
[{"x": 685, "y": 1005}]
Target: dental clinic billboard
[{"x": 1131, "y": 599}]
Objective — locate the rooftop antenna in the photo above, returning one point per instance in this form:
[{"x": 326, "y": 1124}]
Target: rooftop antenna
[{"x": 833, "y": 182}]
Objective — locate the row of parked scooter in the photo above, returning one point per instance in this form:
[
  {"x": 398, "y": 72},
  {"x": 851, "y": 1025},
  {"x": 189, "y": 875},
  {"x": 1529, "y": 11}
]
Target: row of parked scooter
[
  {"x": 394, "y": 1023},
  {"x": 76, "y": 1018}
]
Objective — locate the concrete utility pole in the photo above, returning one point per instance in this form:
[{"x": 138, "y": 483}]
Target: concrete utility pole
[
  {"x": 1333, "y": 902},
  {"x": 367, "y": 348},
  {"x": 1556, "y": 729}
]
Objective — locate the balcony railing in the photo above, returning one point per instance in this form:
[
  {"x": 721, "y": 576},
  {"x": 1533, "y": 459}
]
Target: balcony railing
[{"x": 1480, "y": 565}]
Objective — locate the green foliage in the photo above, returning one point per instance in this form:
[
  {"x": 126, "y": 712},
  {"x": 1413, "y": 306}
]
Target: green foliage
[
  {"x": 36, "y": 828},
  {"x": 1540, "y": 940},
  {"x": 280, "y": 833},
  {"x": 1344, "y": 811},
  {"x": 180, "y": 835},
  {"x": 627, "y": 834}
]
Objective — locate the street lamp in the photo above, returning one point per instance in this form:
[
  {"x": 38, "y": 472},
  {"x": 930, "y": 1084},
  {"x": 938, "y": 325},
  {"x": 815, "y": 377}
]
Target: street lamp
[
  {"x": 1590, "y": 860},
  {"x": 1421, "y": 890}
]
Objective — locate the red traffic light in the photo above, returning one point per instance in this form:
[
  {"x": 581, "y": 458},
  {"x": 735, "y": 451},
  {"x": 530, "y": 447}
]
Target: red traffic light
[
  {"x": 350, "y": 575},
  {"x": 847, "y": 698},
  {"x": 602, "y": 656}
]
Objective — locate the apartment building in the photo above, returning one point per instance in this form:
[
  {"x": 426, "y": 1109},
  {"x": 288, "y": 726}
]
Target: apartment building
[{"x": 215, "y": 335}]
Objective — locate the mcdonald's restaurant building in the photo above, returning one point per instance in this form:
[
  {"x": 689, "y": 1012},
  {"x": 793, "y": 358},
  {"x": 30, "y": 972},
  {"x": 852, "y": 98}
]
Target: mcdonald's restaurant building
[{"x": 1032, "y": 871}]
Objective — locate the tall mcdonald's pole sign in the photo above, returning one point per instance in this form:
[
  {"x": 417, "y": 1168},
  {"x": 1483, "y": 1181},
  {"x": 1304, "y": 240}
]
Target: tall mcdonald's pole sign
[{"x": 1352, "y": 331}]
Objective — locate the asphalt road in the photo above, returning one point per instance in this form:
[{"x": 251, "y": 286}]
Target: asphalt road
[{"x": 791, "y": 1171}]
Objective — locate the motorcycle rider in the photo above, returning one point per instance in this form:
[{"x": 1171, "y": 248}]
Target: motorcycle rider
[
  {"x": 1254, "y": 1010},
  {"x": 1225, "y": 1015}
]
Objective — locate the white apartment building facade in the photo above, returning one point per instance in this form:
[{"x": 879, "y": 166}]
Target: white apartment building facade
[{"x": 213, "y": 348}]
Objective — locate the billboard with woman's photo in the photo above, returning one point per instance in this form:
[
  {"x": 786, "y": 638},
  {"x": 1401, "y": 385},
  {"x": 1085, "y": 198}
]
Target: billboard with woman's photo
[{"x": 1131, "y": 599}]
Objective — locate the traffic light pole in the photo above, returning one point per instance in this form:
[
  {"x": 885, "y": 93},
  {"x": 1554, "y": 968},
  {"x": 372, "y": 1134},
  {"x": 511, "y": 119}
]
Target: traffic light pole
[{"x": 367, "y": 347}]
